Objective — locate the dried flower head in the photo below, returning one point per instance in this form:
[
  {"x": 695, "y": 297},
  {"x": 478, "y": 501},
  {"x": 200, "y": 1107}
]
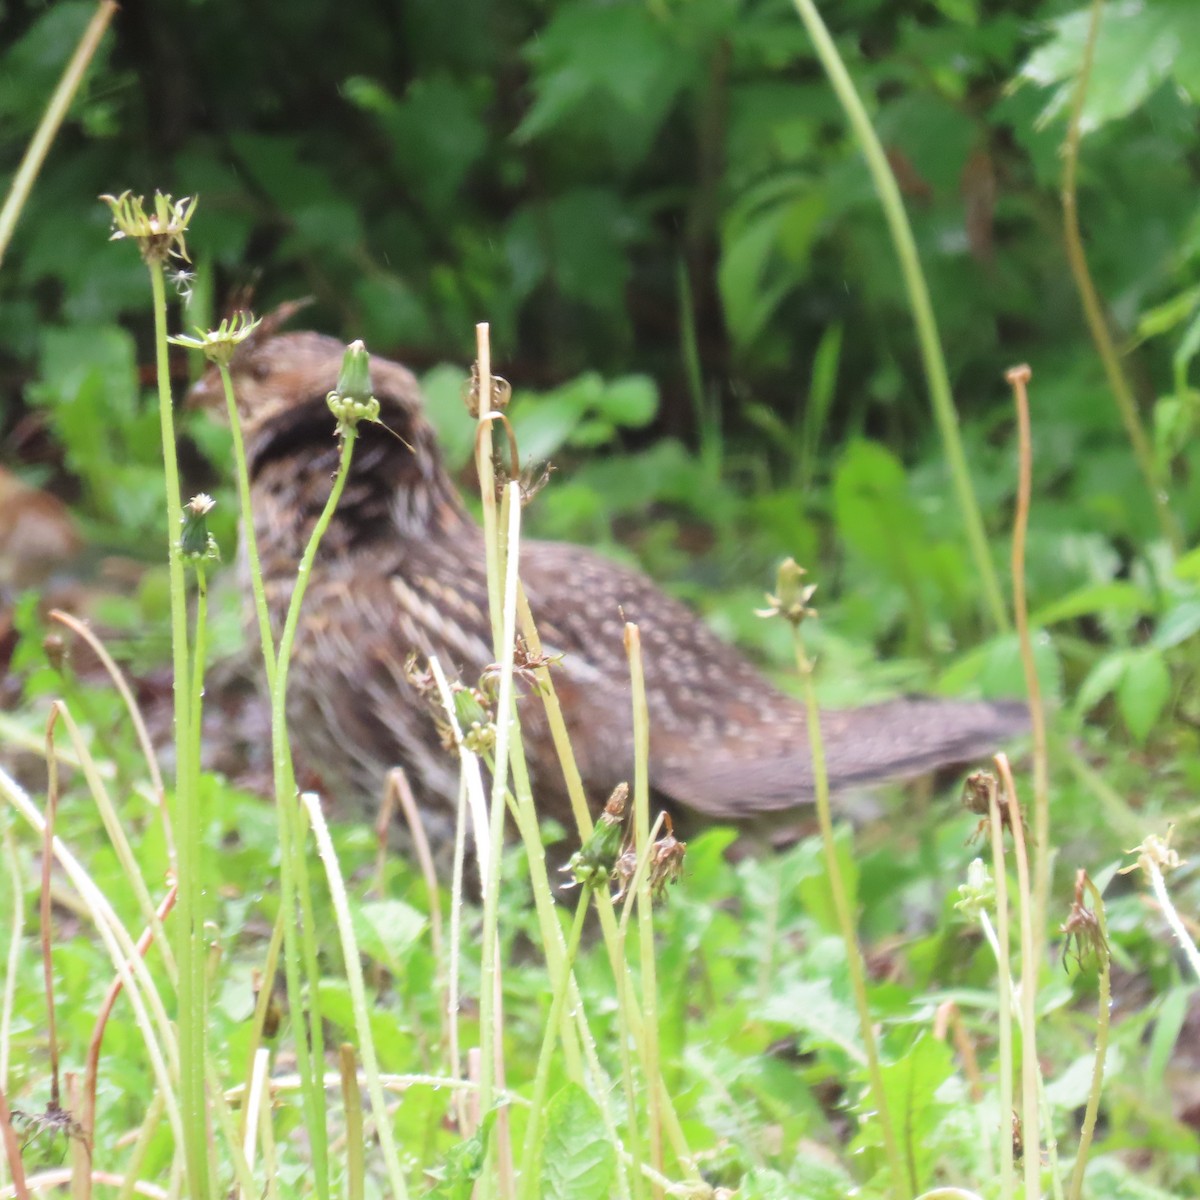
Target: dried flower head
[
  {"x": 791, "y": 596},
  {"x": 159, "y": 234},
  {"x": 526, "y": 665},
  {"x": 497, "y": 402},
  {"x": 666, "y": 859},
  {"x": 978, "y": 789},
  {"x": 533, "y": 477},
  {"x": 1156, "y": 853},
  {"x": 592, "y": 864},
  {"x": 218, "y": 345},
  {"x": 1082, "y": 929}
]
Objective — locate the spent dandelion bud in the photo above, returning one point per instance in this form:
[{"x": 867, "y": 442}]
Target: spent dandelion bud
[
  {"x": 978, "y": 894},
  {"x": 1083, "y": 935},
  {"x": 1154, "y": 852},
  {"x": 195, "y": 541},
  {"x": 791, "y": 596},
  {"x": 353, "y": 399},
  {"x": 666, "y": 860},
  {"x": 218, "y": 345},
  {"x": 593, "y": 863},
  {"x": 160, "y": 233}
]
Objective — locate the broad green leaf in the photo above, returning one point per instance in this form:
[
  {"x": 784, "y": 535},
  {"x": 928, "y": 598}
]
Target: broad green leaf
[
  {"x": 1102, "y": 680},
  {"x": 1138, "y": 47},
  {"x": 578, "y": 1160},
  {"x": 1143, "y": 691},
  {"x": 630, "y": 401},
  {"x": 1178, "y": 624},
  {"x": 811, "y": 1010},
  {"x": 1128, "y": 598},
  {"x": 387, "y": 930},
  {"x": 911, "y": 1086},
  {"x": 464, "y": 1164}
]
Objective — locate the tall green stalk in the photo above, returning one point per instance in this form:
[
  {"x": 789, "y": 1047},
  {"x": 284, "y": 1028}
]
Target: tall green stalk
[
  {"x": 934, "y": 361},
  {"x": 189, "y": 910},
  {"x": 790, "y": 602},
  {"x": 249, "y": 537},
  {"x": 535, "y": 1132},
  {"x": 299, "y": 954}
]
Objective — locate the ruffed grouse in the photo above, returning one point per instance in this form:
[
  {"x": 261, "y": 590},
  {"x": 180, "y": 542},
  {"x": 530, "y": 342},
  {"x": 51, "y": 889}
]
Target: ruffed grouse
[{"x": 401, "y": 569}]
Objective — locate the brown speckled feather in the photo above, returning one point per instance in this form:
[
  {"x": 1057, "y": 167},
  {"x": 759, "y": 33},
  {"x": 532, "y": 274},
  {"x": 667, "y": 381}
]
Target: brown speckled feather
[{"x": 402, "y": 570}]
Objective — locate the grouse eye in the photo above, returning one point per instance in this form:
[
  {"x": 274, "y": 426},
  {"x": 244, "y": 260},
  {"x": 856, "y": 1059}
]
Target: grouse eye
[{"x": 260, "y": 369}]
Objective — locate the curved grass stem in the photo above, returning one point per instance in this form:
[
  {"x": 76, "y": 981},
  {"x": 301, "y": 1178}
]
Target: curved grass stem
[
  {"x": 901, "y": 1181},
  {"x": 937, "y": 377},
  {"x": 1093, "y": 310}
]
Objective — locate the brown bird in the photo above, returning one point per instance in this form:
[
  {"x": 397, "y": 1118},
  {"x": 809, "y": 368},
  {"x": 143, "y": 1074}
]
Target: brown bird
[{"x": 401, "y": 570}]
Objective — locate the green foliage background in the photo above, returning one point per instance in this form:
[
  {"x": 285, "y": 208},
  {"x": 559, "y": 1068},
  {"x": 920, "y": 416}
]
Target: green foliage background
[
  {"x": 652, "y": 189},
  {"x": 658, "y": 207}
]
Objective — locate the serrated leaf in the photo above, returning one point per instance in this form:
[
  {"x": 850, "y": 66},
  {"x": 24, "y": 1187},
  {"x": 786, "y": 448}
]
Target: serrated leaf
[
  {"x": 578, "y": 1160},
  {"x": 1143, "y": 692},
  {"x": 811, "y": 1010},
  {"x": 1138, "y": 47},
  {"x": 387, "y": 930}
]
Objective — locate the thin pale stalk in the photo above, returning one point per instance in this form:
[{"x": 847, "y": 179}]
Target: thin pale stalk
[
  {"x": 12, "y": 1149},
  {"x": 631, "y": 1017},
  {"x": 149, "y": 754},
  {"x": 141, "y": 1145},
  {"x": 456, "y": 924},
  {"x": 1030, "y": 1114},
  {"x": 1093, "y": 310},
  {"x": 535, "y": 1131},
  {"x": 352, "y": 1105},
  {"x": 249, "y": 537},
  {"x": 553, "y": 943},
  {"x": 936, "y": 375},
  {"x": 1018, "y": 378},
  {"x": 641, "y": 824},
  {"x": 557, "y": 725},
  {"x": 1004, "y": 992},
  {"x": 16, "y": 885},
  {"x": 123, "y": 955},
  {"x": 190, "y": 913},
  {"x": 52, "y": 118},
  {"x": 263, "y": 1001},
  {"x": 358, "y": 994},
  {"x": 1103, "y": 1017},
  {"x": 490, "y": 1013},
  {"x": 298, "y": 943},
  {"x": 487, "y": 481},
  {"x": 118, "y": 838},
  {"x": 631, "y": 1034},
  {"x": 1159, "y": 886},
  {"x": 87, "y": 1114},
  {"x": 901, "y": 1182},
  {"x": 228, "y": 1127},
  {"x": 44, "y": 906}
]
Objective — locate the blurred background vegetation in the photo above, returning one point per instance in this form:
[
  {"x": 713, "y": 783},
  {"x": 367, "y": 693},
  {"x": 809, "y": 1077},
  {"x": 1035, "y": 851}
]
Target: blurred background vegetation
[{"x": 659, "y": 208}]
